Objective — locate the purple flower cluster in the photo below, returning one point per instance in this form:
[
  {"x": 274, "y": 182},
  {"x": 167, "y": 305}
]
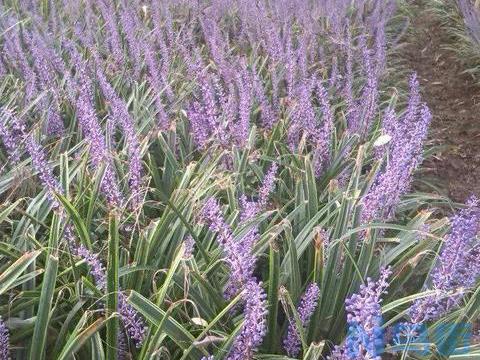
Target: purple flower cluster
[
  {"x": 241, "y": 264},
  {"x": 203, "y": 115},
  {"x": 46, "y": 82},
  {"x": 254, "y": 324},
  {"x": 15, "y": 53},
  {"x": 4, "y": 341},
  {"x": 306, "y": 308},
  {"x": 155, "y": 78},
  {"x": 408, "y": 134},
  {"x": 122, "y": 117},
  {"x": 249, "y": 209},
  {"x": 268, "y": 112},
  {"x": 95, "y": 265},
  {"x": 323, "y": 134},
  {"x": 364, "y": 321},
  {"x": 239, "y": 260},
  {"x": 212, "y": 215},
  {"x": 45, "y": 172},
  {"x": 245, "y": 97},
  {"x": 14, "y": 136},
  {"x": 130, "y": 24},
  {"x": 268, "y": 185},
  {"x": 107, "y": 10},
  {"x": 11, "y": 134},
  {"x": 456, "y": 269},
  {"x": 302, "y": 118},
  {"x": 89, "y": 122},
  {"x": 131, "y": 320}
]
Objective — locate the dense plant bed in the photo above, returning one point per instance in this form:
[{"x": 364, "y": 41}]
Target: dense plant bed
[{"x": 220, "y": 180}]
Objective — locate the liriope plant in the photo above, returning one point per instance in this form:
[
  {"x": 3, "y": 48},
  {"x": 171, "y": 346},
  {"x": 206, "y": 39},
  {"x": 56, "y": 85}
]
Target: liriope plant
[{"x": 211, "y": 180}]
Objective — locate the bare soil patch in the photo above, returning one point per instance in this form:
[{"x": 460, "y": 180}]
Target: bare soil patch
[{"x": 454, "y": 100}]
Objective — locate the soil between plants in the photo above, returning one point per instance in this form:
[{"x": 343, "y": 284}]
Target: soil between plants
[{"x": 454, "y": 101}]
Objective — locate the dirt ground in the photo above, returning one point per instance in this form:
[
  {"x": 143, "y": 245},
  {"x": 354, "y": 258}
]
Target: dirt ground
[{"x": 455, "y": 104}]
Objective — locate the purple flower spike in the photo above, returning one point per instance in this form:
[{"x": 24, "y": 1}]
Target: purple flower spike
[
  {"x": 45, "y": 172},
  {"x": 364, "y": 321},
  {"x": 11, "y": 134},
  {"x": 238, "y": 256},
  {"x": 122, "y": 117},
  {"x": 241, "y": 262},
  {"x": 130, "y": 23},
  {"x": 457, "y": 268},
  {"x": 268, "y": 186},
  {"x": 96, "y": 267},
  {"x": 255, "y": 323},
  {"x": 405, "y": 154},
  {"x": 87, "y": 117},
  {"x": 268, "y": 114},
  {"x": 157, "y": 82},
  {"x": 131, "y": 321},
  {"x": 212, "y": 215},
  {"x": 245, "y": 90},
  {"x": 305, "y": 310},
  {"x": 107, "y": 9},
  {"x": 365, "y": 305},
  {"x": 302, "y": 114},
  {"x": 323, "y": 134},
  {"x": 4, "y": 341}
]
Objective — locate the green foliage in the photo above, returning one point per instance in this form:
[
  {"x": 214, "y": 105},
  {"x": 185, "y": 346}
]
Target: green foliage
[{"x": 57, "y": 311}]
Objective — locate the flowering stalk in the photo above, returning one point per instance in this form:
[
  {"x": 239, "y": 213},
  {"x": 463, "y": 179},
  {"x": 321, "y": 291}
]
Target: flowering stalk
[
  {"x": 107, "y": 10},
  {"x": 364, "y": 320},
  {"x": 14, "y": 51},
  {"x": 11, "y": 134},
  {"x": 129, "y": 24},
  {"x": 254, "y": 325},
  {"x": 241, "y": 262},
  {"x": 456, "y": 268},
  {"x": 122, "y": 117},
  {"x": 93, "y": 132},
  {"x": 268, "y": 113},
  {"x": 155, "y": 83},
  {"x": 46, "y": 77},
  {"x": 323, "y": 135},
  {"x": 241, "y": 265},
  {"x": 245, "y": 90},
  {"x": 4, "y": 341},
  {"x": 306, "y": 308},
  {"x": 302, "y": 119},
  {"x": 250, "y": 209},
  {"x": 408, "y": 135}
]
